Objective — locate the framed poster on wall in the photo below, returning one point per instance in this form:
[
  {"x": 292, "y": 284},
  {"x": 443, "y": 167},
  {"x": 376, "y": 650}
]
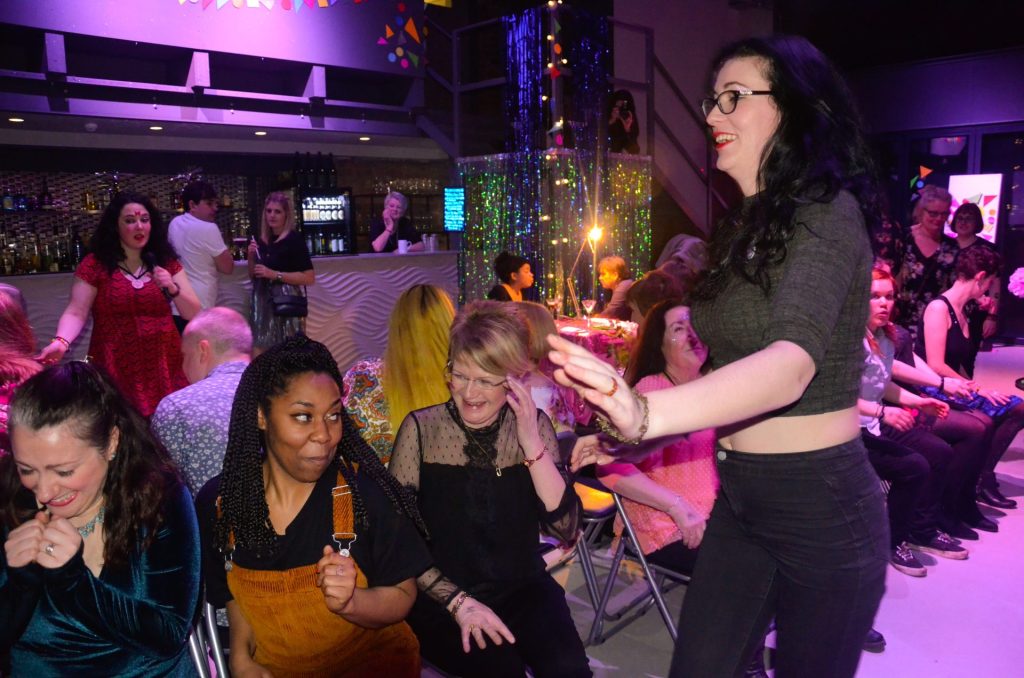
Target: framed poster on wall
[{"x": 984, "y": 191}]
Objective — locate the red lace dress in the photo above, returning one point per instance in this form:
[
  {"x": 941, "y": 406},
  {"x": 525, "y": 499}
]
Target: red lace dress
[{"x": 133, "y": 334}]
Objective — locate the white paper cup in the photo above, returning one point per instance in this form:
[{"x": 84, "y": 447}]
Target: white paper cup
[{"x": 403, "y": 246}]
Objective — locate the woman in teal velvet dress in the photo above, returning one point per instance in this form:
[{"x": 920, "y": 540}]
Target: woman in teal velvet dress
[{"x": 99, "y": 574}]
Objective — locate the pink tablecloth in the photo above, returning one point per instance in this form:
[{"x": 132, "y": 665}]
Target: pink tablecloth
[{"x": 611, "y": 345}]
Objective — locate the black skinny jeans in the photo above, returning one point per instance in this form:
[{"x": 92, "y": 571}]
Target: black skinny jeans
[
  {"x": 907, "y": 472},
  {"x": 940, "y": 490},
  {"x": 802, "y": 537}
]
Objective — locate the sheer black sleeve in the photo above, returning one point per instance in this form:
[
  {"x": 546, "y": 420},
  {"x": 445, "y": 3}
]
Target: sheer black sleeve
[{"x": 564, "y": 522}]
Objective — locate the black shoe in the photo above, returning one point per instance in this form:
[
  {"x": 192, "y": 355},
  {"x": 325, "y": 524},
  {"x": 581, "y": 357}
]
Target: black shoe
[
  {"x": 993, "y": 497},
  {"x": 942, "y": 545},
  {"x": 904, "y": 561},
  {"x": 959, "y": 531},
  {"x": 874, "y": 642},
  {"x": 984, "y": 524}
]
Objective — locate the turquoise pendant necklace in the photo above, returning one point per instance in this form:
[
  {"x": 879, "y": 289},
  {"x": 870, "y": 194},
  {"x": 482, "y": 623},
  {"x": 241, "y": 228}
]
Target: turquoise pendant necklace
[{"x": 90, "y": 527}]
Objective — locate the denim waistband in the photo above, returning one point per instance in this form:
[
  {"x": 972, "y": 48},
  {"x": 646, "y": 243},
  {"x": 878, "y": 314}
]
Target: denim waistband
[{"x": 840, "y": 455}]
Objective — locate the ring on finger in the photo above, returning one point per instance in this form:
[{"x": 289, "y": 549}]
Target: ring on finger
[
  {"x": 49, "y": 548},
  {"x": 615, "y": 387}
]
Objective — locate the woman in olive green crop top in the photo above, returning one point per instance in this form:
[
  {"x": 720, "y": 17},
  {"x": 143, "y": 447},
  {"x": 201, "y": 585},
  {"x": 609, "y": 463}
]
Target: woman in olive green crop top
[{"x": 798, "y": 531}]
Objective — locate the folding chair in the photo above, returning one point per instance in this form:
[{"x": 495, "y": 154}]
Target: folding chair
[
  {"x": 659, "y": 580},
  {"x": 213, "y": 642},
  {"x": 598, "y": 509},
  {"x": 197, "y": 648}
]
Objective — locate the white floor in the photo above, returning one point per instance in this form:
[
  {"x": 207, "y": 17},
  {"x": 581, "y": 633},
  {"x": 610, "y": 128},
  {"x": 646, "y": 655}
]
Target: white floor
[{"x": 963, "y": 619}]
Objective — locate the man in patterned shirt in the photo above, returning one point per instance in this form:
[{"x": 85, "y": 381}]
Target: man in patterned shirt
[{"x": 193, "y": 422}]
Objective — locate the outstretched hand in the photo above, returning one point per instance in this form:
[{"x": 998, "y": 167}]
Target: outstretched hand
[
  {"x": 598, "y": 383},
  {"x": 589, "y": 450}
]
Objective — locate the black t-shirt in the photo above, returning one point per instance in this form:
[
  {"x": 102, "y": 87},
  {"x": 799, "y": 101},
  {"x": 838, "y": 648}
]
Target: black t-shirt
[
  {"x": 288, "y": 256},
  {"x": 499, "y": 293},
  {"x": 404, "y": 231},
  {"x": 389, "y": 551}
]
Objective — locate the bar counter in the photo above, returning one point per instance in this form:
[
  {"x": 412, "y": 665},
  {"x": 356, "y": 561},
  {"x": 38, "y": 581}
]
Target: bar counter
[{"x": 348, "y": 306}]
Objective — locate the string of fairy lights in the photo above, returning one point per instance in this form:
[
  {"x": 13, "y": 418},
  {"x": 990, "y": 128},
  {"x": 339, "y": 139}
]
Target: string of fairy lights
[{"x": 542, "y": 203}]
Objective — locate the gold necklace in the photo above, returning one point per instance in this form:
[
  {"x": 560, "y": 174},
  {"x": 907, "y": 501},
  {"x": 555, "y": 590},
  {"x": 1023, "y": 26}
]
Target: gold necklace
[{"x": 497, "y": 469}]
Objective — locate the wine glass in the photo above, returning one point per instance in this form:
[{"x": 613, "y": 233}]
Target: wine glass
[
  {"x": 588, "y": 308},
  {"x": 554, "y": 305}
]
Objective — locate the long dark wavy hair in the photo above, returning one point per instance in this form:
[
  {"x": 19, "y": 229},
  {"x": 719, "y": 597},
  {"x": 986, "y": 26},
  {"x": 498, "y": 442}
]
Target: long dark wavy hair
[
  {"x": 817, "y": 150},
  {"x": 106, "y": 241},
  {"x": 244, "y": 515},
  {"x": 647, "y": 358},
  {"x": 139, "y": 477}
]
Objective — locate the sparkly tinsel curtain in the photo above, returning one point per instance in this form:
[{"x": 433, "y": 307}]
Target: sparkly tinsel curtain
[{"x": 540, "y": 198}]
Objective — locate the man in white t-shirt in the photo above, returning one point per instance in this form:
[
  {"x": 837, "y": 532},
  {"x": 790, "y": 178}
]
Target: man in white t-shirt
[{"x": 199, "y": 244}]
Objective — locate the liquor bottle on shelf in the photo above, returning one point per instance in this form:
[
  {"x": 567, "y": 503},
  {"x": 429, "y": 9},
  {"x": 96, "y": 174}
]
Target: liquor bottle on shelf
[
  {"x": 332, "y": 172},
  {"x": 45, "y": 198},
  {"x": 76, "y": 250},
  {"x": 309, "y": 174},
  {"x": 8, "y": 200},
  {"x": 321, "y": 171}
]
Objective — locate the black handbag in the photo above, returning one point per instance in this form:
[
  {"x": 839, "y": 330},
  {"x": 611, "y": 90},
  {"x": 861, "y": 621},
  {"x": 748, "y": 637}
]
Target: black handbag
[{"x": 288, "y": 305}]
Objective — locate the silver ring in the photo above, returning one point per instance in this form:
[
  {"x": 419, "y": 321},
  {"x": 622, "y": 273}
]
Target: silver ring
[{"x": 49, "y": 548}]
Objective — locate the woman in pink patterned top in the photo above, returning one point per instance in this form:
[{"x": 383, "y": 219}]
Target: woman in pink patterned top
[{"x": 668, "y": 494}]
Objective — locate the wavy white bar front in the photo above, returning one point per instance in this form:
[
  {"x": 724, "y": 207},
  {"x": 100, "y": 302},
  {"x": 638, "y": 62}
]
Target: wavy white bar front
[{"x": 348, "y": 306}]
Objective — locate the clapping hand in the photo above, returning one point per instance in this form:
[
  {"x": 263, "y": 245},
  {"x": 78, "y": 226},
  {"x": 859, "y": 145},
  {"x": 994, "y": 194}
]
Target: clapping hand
[{"x": 336, "y": 577}]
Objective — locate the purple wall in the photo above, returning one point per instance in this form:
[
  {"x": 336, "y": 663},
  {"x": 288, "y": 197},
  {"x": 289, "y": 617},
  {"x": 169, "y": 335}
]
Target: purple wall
[
  {"x": 975, "y": 90},
  {"x": 346, "y": 33}
]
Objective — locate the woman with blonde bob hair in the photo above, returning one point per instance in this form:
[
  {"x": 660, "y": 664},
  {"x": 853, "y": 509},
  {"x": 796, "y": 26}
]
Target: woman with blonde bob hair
[
  {"x": 279, "y": 264},
  {"x": 482, "y": 468},
  {"x": 379, "y": 393}
]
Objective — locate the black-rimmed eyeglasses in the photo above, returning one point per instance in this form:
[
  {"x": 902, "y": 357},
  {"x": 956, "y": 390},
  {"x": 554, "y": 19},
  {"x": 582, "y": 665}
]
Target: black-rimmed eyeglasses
[{"x": 727, "y": 100}]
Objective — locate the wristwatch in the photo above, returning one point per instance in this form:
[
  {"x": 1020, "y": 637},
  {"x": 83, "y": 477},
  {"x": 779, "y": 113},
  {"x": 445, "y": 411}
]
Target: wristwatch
[{"x": 279, "y": 277}]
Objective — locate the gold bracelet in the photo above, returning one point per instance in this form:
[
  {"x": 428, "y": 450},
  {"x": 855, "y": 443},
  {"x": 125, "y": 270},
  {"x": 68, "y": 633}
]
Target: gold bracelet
[
  {"x": 527, "y": 462},
  {"x": 610, "y": 430},
  {"x": 67, "y": 344},
  {"x": 458, "y": 605}
]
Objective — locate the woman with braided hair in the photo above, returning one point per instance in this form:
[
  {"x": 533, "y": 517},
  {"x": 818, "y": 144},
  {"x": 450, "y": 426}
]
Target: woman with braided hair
[{"x": 307, "y": 540}]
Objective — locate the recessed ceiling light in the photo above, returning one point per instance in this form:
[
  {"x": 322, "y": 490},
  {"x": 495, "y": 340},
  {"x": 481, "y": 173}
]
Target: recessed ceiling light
[
  {"x": 364, "y": 138},
  {"x": 15, "y": 119},
  {"x": 156, "y": 128},
  {"x": 260, "y": 133}
]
